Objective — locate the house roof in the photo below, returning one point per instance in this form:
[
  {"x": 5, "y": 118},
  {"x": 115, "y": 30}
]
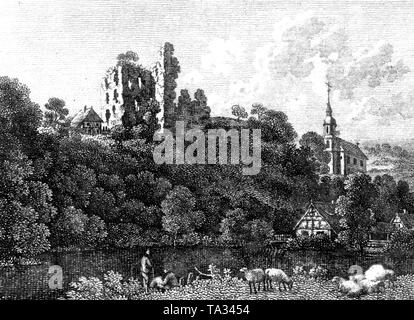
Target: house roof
[
  {"x": 352, "y": 149},
  {"x": 407, "y": 219},
  {"x": 327, "y": 211},
  {"x": 85, "y": 115}
]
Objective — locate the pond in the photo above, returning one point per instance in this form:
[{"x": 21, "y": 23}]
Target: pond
[{"x": 31, "y": 282}]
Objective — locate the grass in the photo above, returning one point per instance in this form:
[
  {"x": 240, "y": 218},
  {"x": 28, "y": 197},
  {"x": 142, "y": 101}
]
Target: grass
[{"x": 304, "y": 288}]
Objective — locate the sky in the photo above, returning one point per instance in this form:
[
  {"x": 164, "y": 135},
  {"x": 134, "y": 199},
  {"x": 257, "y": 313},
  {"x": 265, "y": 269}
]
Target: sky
[{"x": 279, "y": 53}]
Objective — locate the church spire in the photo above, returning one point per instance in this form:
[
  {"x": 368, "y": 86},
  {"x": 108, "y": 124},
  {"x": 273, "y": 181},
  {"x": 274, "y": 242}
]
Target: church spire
[
  {"x": 329, "y": 125},
  {"x": 328, "y": 105}
]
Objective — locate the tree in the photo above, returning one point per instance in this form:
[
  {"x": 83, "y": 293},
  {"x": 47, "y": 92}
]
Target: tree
[
  {"x": 184, "y": 105},
  {"x": 25, "y": 208},
  {"x": 259, "y": 109},
  {"x": 200, "y": 110},
  {"x": 260, "y": 231},
  {"x": 405, "y": 197},
  {"x": 171, "y": 70},
  {"x": 387, "y": 202},
  {"x": 75, "y": 228},
  {"x": 233, "y": 227},
  {"x": 401, "y": 245},
  {"x": 129, "y": 57},
  {"x": 274, "y": 127},
  {"x": 179, "y": 214},
  {"x": 239, "y": 112},
  {"x": 354, "y": 209},
  {"x": 317, "y": 145},
  {"x": 55, "y": 112},
  {"x": 19, "y": 116}
]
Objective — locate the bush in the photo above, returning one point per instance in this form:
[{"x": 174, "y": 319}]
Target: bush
[
  {"x": 112, "y": 288},
  {"x": 313, "y": 242},
  {"x": 401, "y": 245}
]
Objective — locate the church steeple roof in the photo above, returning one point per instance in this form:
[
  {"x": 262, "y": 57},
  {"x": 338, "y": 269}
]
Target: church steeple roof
[
  {"x": 328, "y": 105},
  {"x": 329, "y": 120}
]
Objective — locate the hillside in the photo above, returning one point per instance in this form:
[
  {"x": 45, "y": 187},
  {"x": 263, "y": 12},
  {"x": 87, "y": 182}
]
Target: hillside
[{"x": 396, "y": 160}]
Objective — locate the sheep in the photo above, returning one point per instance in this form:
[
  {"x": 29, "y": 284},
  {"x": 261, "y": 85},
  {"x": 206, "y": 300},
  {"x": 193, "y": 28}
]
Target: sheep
[
  {"x": 348, "y": 287},
  {"x": 357, "y": 277},
  {"x": 254, "y": 276},
  {"x": 279, "y": 277},
  {"x": 378, "y": 273},
  {"x": 369, "y": 286}
]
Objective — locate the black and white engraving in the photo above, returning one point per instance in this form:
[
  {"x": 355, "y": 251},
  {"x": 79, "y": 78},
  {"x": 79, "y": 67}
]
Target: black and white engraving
[{"x": 206, "y": 150}]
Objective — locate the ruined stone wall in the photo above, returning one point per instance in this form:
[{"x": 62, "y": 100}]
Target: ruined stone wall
[
  {"x": 158, "y": 73},
  {"x": 112, "y": 99}
]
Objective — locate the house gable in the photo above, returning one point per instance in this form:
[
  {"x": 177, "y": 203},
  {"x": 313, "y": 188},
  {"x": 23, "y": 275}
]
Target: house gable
[{"x": 313, "y": 222}]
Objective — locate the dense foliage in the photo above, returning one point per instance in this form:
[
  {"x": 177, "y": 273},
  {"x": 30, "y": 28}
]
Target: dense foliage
[{"x": 61, "y": 189}]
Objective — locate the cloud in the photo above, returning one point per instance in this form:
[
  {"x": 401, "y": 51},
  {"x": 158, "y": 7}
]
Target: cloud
[
  {"x": 290, "y": 72},
  {"x": 371, "y": 67},
  {"x": 398, "y": 107},
  {"x": 222, "y": 56}
]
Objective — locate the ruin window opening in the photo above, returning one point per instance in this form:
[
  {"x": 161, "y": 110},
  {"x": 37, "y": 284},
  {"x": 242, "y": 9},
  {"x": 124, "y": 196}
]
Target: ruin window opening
[
  {"x": 116, "y": 96},
  {"x": 116, "y": 77}
]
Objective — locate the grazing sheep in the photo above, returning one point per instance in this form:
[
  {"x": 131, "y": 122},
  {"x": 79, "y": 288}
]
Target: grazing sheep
[
  {"x": 254, "y": 276},
  {"x": 378, "y": 273},
  {"x": 369, "y": 286},
  {"x": 348, "y": 287},
  {"x": 279, "y": 277},
  {"x": 357, "y": 277}
]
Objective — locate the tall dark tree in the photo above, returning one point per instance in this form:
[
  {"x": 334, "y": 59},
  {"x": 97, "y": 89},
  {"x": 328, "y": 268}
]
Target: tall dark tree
[
  {"x": 354, "y": 208},
  {"x": 171, "y": 71}
]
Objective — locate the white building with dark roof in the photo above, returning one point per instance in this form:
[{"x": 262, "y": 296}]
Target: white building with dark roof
[{"x": 346, "y": 157}]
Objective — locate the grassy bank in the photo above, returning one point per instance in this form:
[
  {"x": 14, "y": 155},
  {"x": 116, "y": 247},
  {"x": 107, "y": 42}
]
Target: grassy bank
[{"x": 304, "y": 288}]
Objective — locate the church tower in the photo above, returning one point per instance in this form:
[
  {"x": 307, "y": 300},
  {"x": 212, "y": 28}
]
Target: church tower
[
  {"x": 329, "y": 124},
  {"x": 329, "y": 134}
]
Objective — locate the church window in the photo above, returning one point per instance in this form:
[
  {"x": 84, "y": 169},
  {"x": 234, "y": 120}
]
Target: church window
[
  {"x": 355, "y": 161},
  {"x": 348, "y": 159},
  {"x": 327, "y": 129},
  {"x": 361, "y": 163},
  {"x": 327, "y": 144}
]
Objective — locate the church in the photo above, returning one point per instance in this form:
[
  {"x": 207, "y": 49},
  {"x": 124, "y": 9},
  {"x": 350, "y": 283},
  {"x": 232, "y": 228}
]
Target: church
[{"x": 346, "y": 157}]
